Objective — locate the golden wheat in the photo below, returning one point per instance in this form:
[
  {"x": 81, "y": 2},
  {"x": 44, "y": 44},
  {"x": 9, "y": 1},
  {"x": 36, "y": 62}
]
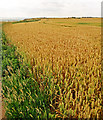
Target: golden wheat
[{"x": 71, "y": 53}]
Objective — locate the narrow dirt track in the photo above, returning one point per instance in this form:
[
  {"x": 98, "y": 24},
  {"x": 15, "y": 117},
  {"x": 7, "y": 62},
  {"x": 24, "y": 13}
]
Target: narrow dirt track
[{"x": 2, "y": 110}]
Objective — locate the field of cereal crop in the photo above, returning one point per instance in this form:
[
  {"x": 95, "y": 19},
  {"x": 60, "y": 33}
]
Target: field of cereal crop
[{"x": 67, "y": 54}]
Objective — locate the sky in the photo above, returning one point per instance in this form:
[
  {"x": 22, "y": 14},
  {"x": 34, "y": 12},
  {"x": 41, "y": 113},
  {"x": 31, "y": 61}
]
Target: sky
[{"x": 49, "y": 8}]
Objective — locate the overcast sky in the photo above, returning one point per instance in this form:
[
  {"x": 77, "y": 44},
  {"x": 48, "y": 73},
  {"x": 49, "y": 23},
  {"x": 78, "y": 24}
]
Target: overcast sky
[{"x": 50, "y": 8}]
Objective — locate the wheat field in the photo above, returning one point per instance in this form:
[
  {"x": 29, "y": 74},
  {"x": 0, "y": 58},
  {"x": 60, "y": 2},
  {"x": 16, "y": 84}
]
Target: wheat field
[{"x": 68, "y": 51}]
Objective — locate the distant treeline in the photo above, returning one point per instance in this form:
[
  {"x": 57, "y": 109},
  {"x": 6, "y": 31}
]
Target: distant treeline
[{"x": 83, "y": 17}]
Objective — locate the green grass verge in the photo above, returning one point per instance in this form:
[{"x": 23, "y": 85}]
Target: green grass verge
[
  {"x": 91, "y": 24},
  {"x": 24, "y": 99},
  {"x": 25, "y": 21},
  {"x": 83, "y": 23}
]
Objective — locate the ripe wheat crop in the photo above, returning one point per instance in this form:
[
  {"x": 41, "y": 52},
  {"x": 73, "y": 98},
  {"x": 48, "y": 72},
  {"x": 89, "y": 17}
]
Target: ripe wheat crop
[{"x": 66, "y": 55}]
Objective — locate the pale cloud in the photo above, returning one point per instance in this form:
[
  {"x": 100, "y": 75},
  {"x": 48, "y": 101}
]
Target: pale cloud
[{"x": 50, "y": 8}]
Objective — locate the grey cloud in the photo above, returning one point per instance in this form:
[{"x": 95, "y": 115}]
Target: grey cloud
[
  {"x": 58, "y": 8},
  {"x": 53, "y": 4}
]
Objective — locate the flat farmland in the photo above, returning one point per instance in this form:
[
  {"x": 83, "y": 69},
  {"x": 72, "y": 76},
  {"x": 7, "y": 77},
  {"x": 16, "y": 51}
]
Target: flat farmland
[
  {"x": 70, "y": 50},
  {"x": 51, "y": 37}
]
